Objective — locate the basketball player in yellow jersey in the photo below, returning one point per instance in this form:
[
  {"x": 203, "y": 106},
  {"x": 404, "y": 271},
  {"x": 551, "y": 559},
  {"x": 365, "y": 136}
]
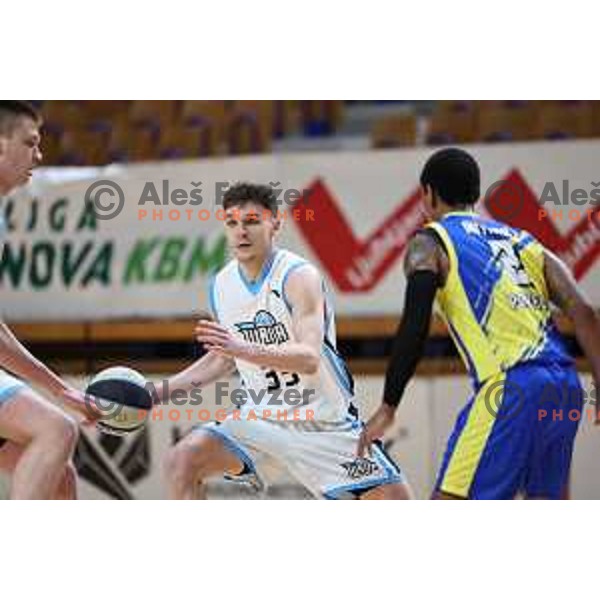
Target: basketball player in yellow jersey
[
  {"x": 494, "y": 285},
  {"x": 37, "y": 439}
]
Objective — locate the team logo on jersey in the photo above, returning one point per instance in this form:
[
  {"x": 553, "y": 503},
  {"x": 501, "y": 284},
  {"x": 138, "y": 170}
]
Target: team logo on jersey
[
  {"x": 264, "y": 329},
  {"x": 360, "y": 467}
]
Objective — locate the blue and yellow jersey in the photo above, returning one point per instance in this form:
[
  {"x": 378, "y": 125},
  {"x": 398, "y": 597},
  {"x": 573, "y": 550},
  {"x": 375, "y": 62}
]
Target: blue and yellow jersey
[{"x": 495, "y": 300}]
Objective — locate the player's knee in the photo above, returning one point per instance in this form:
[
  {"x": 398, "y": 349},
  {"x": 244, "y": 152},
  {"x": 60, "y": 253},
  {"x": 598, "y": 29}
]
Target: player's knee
[
  {"x": 190, "y": 460},
  {"x": 64, "y": 432},
  {"x": 67, "y": 489},
  {"x": 70, "y": 473},
  {"x": 179, "y": 463}
]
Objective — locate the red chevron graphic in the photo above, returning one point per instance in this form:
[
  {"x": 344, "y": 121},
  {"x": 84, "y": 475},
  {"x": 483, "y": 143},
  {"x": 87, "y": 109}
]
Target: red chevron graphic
[
  {"x": 516, "y": 204},
  {"x": 357, "y": 266}
]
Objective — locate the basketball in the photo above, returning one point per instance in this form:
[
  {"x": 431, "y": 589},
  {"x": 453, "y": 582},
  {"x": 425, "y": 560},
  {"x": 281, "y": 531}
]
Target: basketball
[{"x": 122, "y": 398}]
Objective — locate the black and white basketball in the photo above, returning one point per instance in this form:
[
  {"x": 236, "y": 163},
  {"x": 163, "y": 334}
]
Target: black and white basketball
[{"x": 122, "y": 397}]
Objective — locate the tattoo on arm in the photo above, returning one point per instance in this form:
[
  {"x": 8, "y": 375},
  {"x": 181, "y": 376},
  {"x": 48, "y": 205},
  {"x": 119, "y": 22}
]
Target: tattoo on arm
[
  {"x": 565, "y": 293},
  {"x": 562, "y": 287},
  {"x": 424, "y": 254}
]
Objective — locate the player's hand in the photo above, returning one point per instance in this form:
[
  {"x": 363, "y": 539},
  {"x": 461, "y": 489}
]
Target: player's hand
[
  {"x": 217, "y": 338},
  {"x": 82, "y": 404},
  {"x": 376, "y": 426}
]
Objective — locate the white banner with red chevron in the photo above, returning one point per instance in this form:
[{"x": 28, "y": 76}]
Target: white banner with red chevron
[{"x": 129, "y": 241}]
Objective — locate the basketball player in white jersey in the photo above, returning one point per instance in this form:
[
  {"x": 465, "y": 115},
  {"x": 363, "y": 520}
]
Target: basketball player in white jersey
[
  {"x": 37, "y": 439},
  {"x": 274, "y": 324}
]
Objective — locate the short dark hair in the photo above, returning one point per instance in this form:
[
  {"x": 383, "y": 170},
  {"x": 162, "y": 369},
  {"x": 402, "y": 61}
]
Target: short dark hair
[
  {"x": 453, "y": 176},
  {"x": 11, "y": 110},
  {"x": 244, "y": 192}
]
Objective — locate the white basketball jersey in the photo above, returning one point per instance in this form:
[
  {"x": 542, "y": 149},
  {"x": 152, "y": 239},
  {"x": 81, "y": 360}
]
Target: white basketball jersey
[{"x": 259, "y": 312}]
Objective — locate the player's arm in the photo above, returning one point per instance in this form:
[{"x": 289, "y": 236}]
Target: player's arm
[
  {"x": 569, "y": 298},
  {"x": 424, "y": 271},
  {"x": 19, "y": 361},
  {"x": 426, "y": 268},
  {"x": 206, "y": 370},
  {"x": 305, "y": 295}
]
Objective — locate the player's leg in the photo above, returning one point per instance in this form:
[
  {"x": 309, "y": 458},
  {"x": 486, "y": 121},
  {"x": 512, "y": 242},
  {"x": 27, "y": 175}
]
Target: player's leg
[
  {"x": 437, "y": 495},
  {"x": 487, "y": 453},
  {"x": 396, "y": 490},
  {"x": 67, "y": 486},
  {"x": 565, "y": 493},
  {"x": 10, "y": 454},
  {"x": 198, "y": 456},
  {"x": 392, "y": 491},
  {"x": 549, "y": 479},
  {"x": 322, "y": 456},
  {"x": 558, "y": 419},
  {"x": 48, "y": 437}
]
